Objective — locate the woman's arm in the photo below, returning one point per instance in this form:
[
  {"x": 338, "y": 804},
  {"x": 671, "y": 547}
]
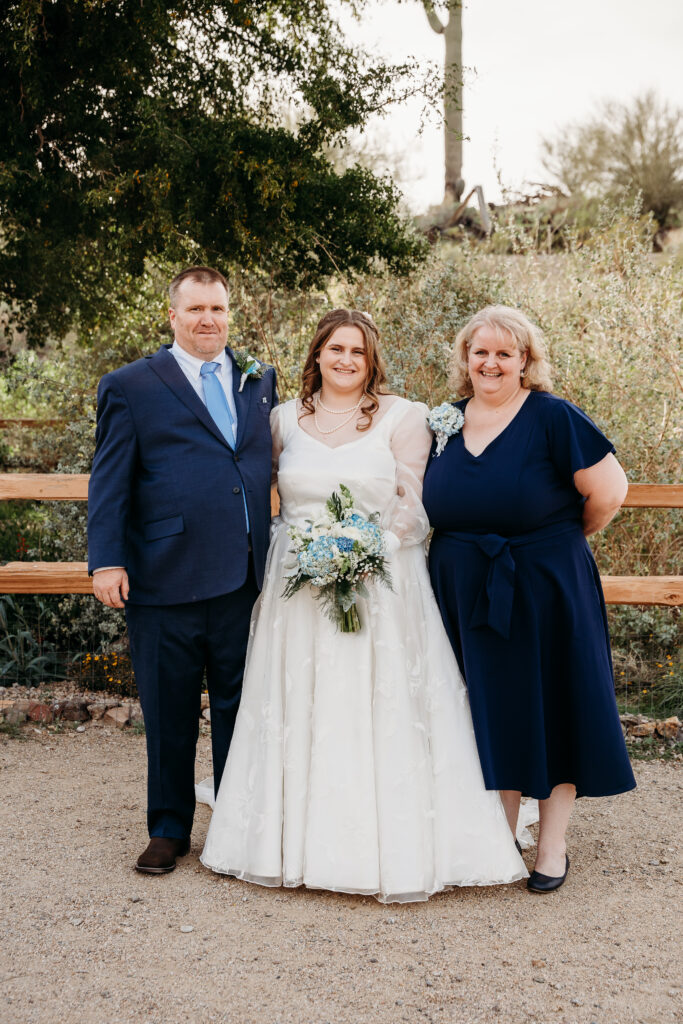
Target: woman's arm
[
  {"x": 276, "y": 435},
  {"x": 604, "y": 487},
  {"x": 410, "y": 443}
]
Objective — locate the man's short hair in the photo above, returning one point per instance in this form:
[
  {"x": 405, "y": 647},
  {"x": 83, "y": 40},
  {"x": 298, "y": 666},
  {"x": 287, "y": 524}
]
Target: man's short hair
[{"x": 202, "y": 275}]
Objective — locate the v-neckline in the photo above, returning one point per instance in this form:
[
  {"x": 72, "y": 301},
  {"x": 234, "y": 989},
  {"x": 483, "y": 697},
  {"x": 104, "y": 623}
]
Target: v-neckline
[{"x": 498, "y": 435}]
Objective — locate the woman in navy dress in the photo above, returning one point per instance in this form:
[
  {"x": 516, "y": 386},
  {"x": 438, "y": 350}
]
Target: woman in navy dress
[{"x": 512, "y": 498}]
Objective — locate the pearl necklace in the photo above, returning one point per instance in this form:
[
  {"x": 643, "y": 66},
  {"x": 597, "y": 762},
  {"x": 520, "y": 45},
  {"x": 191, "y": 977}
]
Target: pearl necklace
[{"x": 337, "y": 412}]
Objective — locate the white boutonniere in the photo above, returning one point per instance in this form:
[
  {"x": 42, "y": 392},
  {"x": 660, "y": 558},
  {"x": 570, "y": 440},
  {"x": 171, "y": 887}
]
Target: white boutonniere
[
  {"x": 445, "y": 420},
  {"x": 249, "y": 367}
]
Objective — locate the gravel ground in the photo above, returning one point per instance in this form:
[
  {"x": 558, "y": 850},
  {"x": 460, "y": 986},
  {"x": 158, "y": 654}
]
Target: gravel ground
[{"x": 84, "y": 938}]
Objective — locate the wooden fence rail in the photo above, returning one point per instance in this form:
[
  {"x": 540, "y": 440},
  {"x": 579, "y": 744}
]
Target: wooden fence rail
[{"x": 72, "y": 577}]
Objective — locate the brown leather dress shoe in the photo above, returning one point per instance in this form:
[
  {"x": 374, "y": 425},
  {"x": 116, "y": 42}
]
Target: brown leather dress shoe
[{"x": 160, "y": 856}]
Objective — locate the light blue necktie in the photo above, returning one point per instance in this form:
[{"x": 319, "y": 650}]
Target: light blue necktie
[
  {"x": 219, "y": 410},
  {"x": 217, "y": 403}
]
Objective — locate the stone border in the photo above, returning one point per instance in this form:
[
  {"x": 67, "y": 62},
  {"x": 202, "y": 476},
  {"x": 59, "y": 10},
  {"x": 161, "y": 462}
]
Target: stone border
[
  {"x": 78, "y": 709},
  {"x": 120, "y": 713},
  {"x": 639, "y": 727}
]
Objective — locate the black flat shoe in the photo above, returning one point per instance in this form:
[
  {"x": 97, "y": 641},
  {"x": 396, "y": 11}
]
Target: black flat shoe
[{"x": 546, "y": 883}]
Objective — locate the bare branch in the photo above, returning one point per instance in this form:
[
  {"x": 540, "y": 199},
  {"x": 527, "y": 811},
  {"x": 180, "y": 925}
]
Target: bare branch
[{"x": 433, "y": 18}]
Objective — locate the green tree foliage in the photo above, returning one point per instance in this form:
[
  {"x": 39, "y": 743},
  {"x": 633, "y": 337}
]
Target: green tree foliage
[
  {"x": 634, "y": 148},
  {"x": 139, "y": 130}
]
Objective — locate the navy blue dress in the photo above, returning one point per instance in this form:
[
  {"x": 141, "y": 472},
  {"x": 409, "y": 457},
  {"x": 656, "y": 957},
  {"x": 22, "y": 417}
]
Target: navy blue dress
[{"x": 522, "y": 604}]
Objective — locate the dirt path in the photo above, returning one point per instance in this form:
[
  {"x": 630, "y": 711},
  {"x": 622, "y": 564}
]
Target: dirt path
[{"x": 84, "y": 938}]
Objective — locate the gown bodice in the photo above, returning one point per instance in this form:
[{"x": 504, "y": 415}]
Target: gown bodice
[{"x": 379, "y": 476}]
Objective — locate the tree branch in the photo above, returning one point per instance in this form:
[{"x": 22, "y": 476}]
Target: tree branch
[{"x": 433, "y": 18}]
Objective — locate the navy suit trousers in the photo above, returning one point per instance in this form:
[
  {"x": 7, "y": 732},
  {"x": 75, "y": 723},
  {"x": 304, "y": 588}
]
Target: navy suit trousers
[{"x": 173, "y": 648}]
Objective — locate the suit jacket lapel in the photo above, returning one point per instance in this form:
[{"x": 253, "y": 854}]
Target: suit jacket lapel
[
  {"x": 166, "y": 367},
  {"x": 242, "y": 398}
]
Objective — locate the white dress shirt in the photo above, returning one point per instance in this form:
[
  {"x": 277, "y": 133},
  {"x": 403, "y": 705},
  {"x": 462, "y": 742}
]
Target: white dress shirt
[{"x": 191, "y": 367}]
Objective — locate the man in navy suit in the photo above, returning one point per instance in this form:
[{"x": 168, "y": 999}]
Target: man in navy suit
[{"x": 178, "y": 530}]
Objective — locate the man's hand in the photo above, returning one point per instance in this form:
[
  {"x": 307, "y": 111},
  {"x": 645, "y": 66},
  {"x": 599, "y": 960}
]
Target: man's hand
[{"x": 110, "y": 586}]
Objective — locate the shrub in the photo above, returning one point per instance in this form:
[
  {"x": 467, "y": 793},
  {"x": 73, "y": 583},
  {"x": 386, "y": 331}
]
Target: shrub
[{"x": 612, "y": 313}]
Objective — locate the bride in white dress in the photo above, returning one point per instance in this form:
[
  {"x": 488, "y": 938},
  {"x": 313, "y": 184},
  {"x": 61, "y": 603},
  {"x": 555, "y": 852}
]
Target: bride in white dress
[{"x": 353, "y": 765}]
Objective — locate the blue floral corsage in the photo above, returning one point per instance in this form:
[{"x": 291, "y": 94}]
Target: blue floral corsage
[
  {"x": 249, "y": 367},
  {"x": 445, "y": 421}
]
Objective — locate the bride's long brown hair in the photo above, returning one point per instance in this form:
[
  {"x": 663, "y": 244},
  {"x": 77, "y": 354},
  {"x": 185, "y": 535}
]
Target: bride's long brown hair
[{"x": 311, "y": 378}]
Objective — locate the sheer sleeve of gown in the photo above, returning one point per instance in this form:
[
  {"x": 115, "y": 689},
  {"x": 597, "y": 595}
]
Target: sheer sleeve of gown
[
  {"x": 278, "y": 441},
  {"x": 410, "y": 443}
]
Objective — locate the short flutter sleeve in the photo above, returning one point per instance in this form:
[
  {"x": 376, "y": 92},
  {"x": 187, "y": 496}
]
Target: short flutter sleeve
[
  {"x": 575, "y": 441},
  {"x": 410, "y": 443}
]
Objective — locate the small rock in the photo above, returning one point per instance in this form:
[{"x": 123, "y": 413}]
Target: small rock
[
  {"x": 186, "y": 929},
  {"x": 75, "y": 921},
  {"x": 39, "y": 712},
  {"x": 119, "y": 717},
  {"x": 429, "y": 983},
  {"x": 374, "y": 960},
  {"x": 15, "y": 716},
  {"x": 136, "y": 713},
  {"x": 206, "y": 713},
  {"x": 539, "y": 981},
  {"x": 669, "y": 728},
  {"x": 99, "y": 709},
  {"x": 538, "y": 963},
  {"x": 80, "y": 728},
  {"x": 645, "y": 729},
  {"x": 74, "y": 710},
  {"x": 399, "y": 1002},
  {"x": 576, "y": 1002},
  {"x": 629, "y": 719}
]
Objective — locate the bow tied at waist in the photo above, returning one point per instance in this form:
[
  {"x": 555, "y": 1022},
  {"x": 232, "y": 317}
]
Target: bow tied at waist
[{"x": 493, "y": 606}]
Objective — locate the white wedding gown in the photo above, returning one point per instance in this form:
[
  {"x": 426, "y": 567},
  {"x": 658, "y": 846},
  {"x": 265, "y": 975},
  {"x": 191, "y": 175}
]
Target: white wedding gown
[{"x": 353, "y": 765}]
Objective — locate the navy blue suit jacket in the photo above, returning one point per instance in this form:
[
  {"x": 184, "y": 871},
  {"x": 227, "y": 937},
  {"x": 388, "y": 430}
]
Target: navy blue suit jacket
[{"x": 166, "y": 489}]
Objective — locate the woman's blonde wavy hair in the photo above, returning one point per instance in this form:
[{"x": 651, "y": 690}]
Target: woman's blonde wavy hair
[
  {"x": 529, "y": 339},
  {"x": 311, "y": 378}
]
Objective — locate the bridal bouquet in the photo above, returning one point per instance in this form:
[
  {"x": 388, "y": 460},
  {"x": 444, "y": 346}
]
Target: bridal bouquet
[{"x": 338, "y": 553}]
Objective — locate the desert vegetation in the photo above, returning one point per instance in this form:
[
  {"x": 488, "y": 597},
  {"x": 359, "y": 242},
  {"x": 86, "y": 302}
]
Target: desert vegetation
[{"x": 611, "y": 311}]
